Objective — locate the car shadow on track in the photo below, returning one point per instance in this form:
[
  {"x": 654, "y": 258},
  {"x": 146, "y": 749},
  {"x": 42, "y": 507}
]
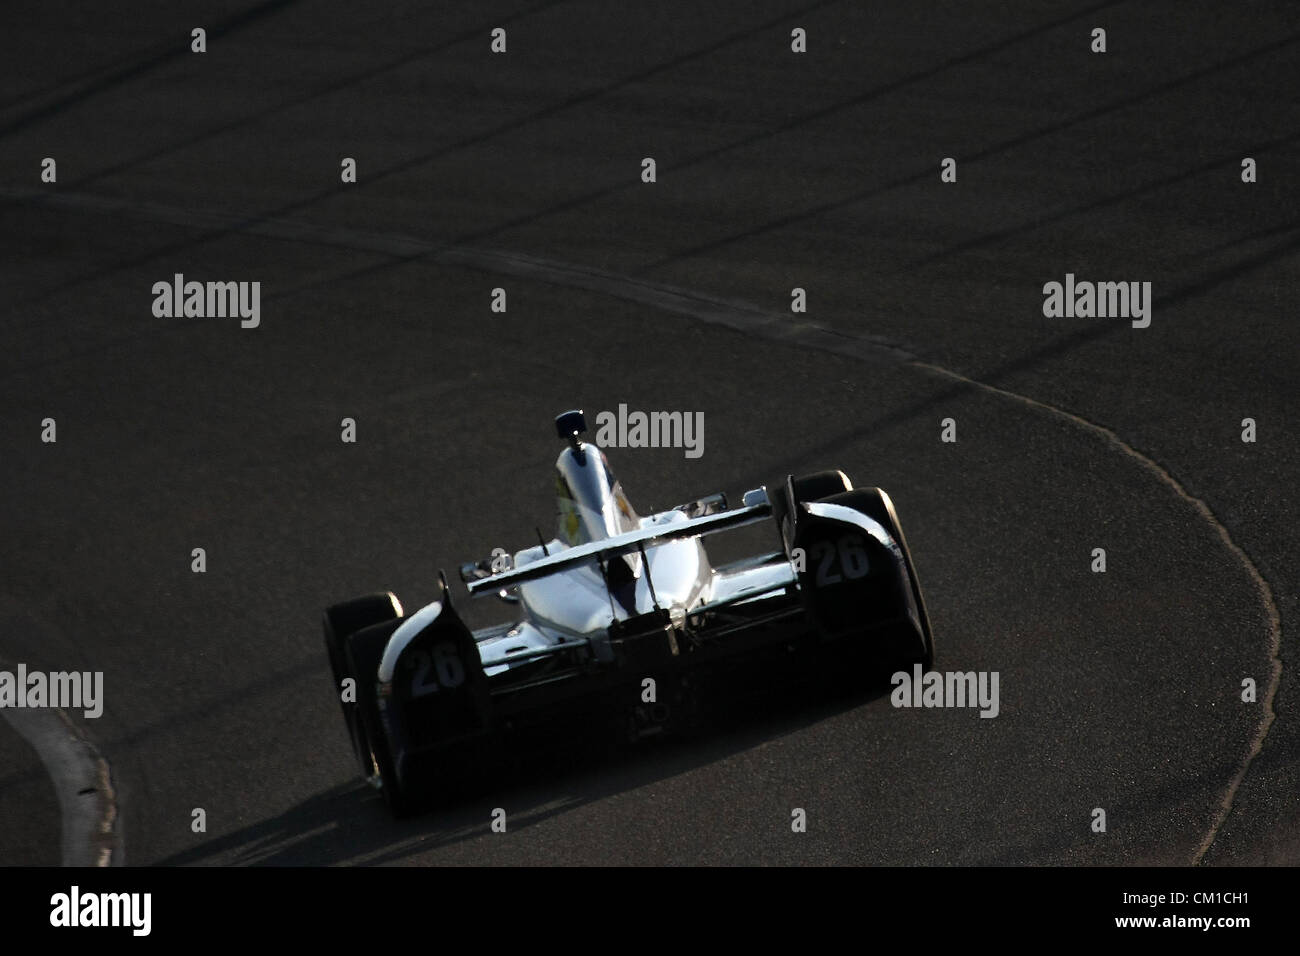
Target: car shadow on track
[{"x": 349, "y": 822}]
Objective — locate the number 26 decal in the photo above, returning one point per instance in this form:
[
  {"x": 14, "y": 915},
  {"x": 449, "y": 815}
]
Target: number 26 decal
[
  {"x": 439, "y": 670},
  {"x": 837, "y": 561}
]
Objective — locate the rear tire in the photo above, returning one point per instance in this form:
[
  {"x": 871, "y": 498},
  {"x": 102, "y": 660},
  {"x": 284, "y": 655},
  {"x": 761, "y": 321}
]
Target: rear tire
[
  {"x": 340, "y": 622},
  {"x": 365, "y": 650},
  {"x": 813, "y": 487},
  {"x": 821, "y": 484},
  {"x": 881, "y": 508}
]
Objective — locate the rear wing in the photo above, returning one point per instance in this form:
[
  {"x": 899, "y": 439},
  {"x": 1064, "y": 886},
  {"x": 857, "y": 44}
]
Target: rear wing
[{"x": 619, "y": 545}]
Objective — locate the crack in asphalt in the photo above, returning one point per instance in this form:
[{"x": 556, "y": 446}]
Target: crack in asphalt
[{"x": 1262, "y": 588}]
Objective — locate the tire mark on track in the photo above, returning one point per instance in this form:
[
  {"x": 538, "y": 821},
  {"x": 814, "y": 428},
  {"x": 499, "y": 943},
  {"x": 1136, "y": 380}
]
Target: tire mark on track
[
  {"x": 985, "y": 152},
  {"x": 245, "y": 222},
  {"x": 115, "y": 78},
  {"x": 319, "y": 93}
]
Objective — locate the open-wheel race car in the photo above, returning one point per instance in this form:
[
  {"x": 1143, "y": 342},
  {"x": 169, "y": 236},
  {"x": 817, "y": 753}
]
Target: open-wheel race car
[{"x": 624, "y": 617}]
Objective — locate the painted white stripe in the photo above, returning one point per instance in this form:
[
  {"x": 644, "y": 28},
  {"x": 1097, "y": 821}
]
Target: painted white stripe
[{"x": 82, "y": 782}]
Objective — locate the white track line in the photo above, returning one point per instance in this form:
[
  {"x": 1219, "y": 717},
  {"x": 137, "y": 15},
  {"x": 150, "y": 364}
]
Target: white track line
[{"x": 82, "y": 782}]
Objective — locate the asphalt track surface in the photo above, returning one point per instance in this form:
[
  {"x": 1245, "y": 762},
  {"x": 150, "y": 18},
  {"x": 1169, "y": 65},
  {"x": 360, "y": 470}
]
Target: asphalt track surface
[{"x": 1119, "y": 690}]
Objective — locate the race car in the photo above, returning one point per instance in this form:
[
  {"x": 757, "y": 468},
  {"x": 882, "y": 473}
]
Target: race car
[{"x": 624, "y": 617}]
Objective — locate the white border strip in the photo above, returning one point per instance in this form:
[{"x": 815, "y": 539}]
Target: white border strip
[{"x": 82, "y": 781}]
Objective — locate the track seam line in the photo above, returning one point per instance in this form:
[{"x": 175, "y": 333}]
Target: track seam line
[{"x": 1265, "y": 592}]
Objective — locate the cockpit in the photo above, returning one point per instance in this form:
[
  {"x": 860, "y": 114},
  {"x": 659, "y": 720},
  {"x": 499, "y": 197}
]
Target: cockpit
[{"x": 590, "y": 499}]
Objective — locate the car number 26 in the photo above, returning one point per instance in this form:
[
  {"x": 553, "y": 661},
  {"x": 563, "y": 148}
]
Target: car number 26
[
  {"x": 836, "y": 561},
  {"x": 435, "y": 670}
]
